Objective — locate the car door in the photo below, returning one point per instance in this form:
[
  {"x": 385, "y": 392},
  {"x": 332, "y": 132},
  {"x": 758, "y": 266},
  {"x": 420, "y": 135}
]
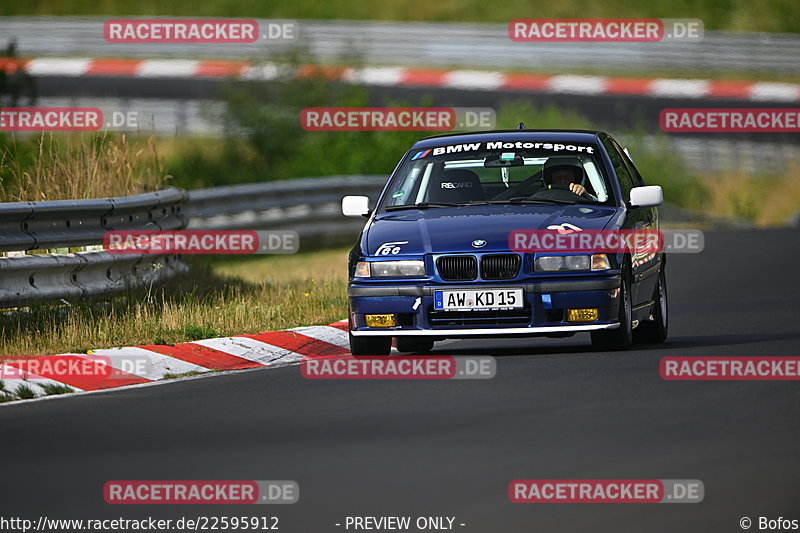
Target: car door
[
  {"x": 645, "y": 265},
  {"x": 652, "y": 261}
]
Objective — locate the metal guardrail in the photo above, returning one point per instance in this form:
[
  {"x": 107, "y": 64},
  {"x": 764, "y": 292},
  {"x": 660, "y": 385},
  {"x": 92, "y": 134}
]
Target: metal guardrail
[
  {"x": 428, "y": 44},
  {"x": 309, "y": 206},
  {"x": 60, "y": 228},
  {"x": 38, "y": 279},
  {"x": 73, "y": 223}
]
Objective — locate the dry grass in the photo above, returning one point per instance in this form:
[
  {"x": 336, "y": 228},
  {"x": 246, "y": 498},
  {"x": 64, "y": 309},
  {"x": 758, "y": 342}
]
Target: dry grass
[
  {"x": 765, "y": 200},
  {"x": 311, "y": 267},
  {"x": 216, "y": 299},
  {"x": 57, "y": 167}
]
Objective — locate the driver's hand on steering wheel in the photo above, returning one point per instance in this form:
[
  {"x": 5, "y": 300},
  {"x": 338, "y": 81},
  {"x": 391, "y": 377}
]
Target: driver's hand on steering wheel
[{"x": 577, "y": 188}]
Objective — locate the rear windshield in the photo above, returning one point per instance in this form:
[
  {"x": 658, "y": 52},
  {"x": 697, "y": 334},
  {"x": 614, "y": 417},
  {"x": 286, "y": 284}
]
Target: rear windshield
[{"x": 486, "y": 173}]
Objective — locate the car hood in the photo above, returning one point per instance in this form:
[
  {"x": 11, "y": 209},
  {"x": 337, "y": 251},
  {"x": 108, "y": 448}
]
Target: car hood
[{"x": 453, "y": 229}]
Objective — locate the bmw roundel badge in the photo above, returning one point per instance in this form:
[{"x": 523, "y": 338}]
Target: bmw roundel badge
[{"x": 478, "y": 243}]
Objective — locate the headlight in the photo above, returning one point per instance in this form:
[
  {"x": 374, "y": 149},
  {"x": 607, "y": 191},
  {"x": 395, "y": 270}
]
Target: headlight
[
  {"x": 556, "y": 263},
  {"x": 577, "y": 262},
  {"x": 389, "y": 269},
  {"x": 550, "y": 263}
]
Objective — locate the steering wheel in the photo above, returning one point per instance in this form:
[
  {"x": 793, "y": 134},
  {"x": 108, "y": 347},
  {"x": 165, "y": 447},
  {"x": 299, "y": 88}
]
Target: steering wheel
[{"x": 557, "y": 192}]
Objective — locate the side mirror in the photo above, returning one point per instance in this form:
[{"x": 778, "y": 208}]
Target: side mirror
[
  {"x": 649, "y": 196},
  {"x": 355, "y": 206}
]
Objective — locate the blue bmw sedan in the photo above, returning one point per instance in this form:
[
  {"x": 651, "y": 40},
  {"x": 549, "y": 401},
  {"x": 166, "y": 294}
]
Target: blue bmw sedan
[{"x": 438, "y": 257}]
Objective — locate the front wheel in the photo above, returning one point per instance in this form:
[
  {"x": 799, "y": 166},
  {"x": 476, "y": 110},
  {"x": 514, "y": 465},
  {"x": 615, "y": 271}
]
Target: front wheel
[
  {"x": 622, "y": 337},
  {"x": 413, "y": 344},
  {"x": 655, "y": 331},
  {"x": 370, "y": 346}
]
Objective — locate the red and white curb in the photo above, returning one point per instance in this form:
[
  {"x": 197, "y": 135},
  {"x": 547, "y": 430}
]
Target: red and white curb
[
  {"x": 267, "y": 349},
  {"x": 757, "y": 91}
]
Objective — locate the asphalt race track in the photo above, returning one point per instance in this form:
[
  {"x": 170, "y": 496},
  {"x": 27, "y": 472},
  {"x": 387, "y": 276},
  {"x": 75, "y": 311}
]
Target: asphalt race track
[{"x": 449, "y": 448}]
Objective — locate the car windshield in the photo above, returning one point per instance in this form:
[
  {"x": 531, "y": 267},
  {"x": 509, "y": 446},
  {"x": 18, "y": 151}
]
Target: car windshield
[{"x": 488, "y": 173}]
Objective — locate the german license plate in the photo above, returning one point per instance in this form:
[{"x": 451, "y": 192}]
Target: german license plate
[{"x": 483, "y": 299}]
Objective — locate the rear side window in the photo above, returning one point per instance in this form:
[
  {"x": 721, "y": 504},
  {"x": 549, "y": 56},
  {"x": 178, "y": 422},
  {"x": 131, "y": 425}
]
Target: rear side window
[
  {"x": 626, "y": 180},
  {"x": 638, "y": 181}
]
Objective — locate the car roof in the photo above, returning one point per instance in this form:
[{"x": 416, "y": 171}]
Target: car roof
[{"x": 509, "y": 135}]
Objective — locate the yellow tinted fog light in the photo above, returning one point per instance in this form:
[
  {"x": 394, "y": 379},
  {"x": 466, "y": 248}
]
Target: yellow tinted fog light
[
  {"x": 380, "y": 321},
  {"x": 582, "y": 315}
]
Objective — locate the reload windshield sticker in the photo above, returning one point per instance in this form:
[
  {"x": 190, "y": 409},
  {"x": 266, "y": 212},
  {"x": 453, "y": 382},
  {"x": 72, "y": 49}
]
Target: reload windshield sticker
[
  {"x": 390, "y": 248},
  {"x": 500, "y": 145}
]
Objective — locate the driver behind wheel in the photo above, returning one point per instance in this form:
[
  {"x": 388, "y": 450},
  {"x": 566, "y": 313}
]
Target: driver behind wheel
[
  {"x": 566, "y": 173},
  {"x": 567, "y": 176}
]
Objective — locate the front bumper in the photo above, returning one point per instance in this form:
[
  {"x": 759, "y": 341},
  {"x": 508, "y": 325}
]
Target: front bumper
[{"x": 543, "y": 314}]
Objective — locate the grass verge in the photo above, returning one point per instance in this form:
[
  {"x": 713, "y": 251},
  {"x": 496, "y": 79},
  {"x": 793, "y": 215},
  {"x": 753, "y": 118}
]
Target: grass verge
[
  {"x": 767, "y": 200},
  {"x": 58, "y": 167},
  {"x": 218, "y": 298}
]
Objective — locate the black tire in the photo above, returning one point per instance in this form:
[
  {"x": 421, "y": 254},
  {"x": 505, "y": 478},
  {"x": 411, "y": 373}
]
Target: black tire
[
  {"x": 370, "y": 346},
  {"x": 413, "y": 344},
  {"x": 655, "y": 331},
  {"x": 622, "y": 337}
]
